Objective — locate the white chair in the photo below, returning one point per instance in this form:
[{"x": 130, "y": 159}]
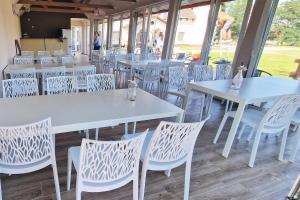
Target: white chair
[
  {"x": 177, "y": 81},
  {"x": 100, "y": 82},
  {"x": 23, "y": 60},
  {"x": 21, "y": 73},
  {"x": 150, "y": 78},
  {"x": 27, "y": 53},
  {"x": 43, "y": 53},
  {"x": 170, "y": 146},
  {"x": 103, "y": 82},
  {"x": 45, "y": 60},
  {"x": 276, "y": 120},
  {"x": 67, "y": 60},
  {"x": 20, "y": 87},
  {"x": 223, "y": 71},
  {"x": 202, "y": 73},
  {"x": 61, "y": 85},
  {"x": 81, "y": 74},
  {"x": 28, "y": 148},
  {"x": 105, "y": 165},
  {"x": 51, "y": 72},
  {"x": 296, "y": 123}
]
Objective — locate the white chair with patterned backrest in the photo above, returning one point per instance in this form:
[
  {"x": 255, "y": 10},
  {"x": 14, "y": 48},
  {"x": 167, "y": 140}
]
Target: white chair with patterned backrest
[
  {"x": 150, "y": 78},
  {"x": 67, "y": 60},
  {"x": 28, "y": 148},
  {"x": 51, "y": 72},
  {"x": 27, "y": 53},
  {"x": 61, "y": 85},
  {"x": 20, "y": 87},
  {"x": 223, "y": 72},
  {"x": 21, "y": 73},
  {"x": 45, "y": 60},
  {"x": 170, "y": 146},
  {"x": 43, "y": 53},
  {"x": 177, "y": 81},
  {"x": 100, "y": 82},
  {"x": 276, "y": 120},
  {"x": 105, "y": 165},
  {"x": 296, "y": 123},
  {"x": 23, "y": 60},
  {"x": 81, "y": 73}
]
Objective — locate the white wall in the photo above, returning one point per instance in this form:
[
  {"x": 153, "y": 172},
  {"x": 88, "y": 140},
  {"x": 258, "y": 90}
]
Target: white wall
[{"x": 9, "y": 31}]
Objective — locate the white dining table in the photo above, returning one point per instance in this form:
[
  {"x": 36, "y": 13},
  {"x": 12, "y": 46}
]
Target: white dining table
[
  {"x": 253, "y": 90},
  {"x": 82, "y": 111}
]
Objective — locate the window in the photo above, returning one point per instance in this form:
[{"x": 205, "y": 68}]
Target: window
[{"x": 180, "y": 36}]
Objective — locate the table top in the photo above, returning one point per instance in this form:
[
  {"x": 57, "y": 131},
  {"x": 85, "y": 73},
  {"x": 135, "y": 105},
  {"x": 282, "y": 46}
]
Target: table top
[
  {"x": 72, "y": 112},
  {"x": 256, "y": 89}
]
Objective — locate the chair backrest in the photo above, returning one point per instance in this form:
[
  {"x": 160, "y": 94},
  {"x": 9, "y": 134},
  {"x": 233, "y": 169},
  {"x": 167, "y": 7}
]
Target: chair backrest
[
  {"x": 51, "y": 72},
  {"x": 177, "y": 78},
  {"x": 27, "y": 53},
  {"x": 43, "y": 53},
  {"x": 81, "y": 74},
  {"x": 48, "y": 60},
  {"x": 27, "y": 144},
  {"x": 61, "y": 85},
  {"x": 223, "y": 71},
  {"x": 152, "y": 72},
  {"x": 100, "y": 82},
  {"x": 25, "y": 60},
  {"x": 67, "y": 60},
  {"x": 281, "y": 113},
  {"x": 22, "y": 73},
  {"x": 107, "y": 161},
  {"x": 20, "y": 87},
  {"x": 203, "y": 73},
  {"x": 173, "y": 141}
]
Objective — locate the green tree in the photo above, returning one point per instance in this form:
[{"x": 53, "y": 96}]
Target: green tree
[{"x": 286, "y": 24}]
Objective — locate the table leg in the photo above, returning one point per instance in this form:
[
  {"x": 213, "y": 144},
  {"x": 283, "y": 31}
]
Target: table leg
[
  {"x": 185, "y": 101},
  {"x": 179, "y": 117},
  {"x": 233, "y": 129}
]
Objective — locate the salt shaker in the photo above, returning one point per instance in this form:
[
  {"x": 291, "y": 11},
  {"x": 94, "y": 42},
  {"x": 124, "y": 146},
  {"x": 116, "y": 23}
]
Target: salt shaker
[{"x": 131, "y": 93}]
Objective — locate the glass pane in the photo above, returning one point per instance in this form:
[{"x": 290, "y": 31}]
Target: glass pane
[
  {"x": 283, "y": 44},
  {"x": 227, "y": 31},
  {"x": 125, "y": 31}
]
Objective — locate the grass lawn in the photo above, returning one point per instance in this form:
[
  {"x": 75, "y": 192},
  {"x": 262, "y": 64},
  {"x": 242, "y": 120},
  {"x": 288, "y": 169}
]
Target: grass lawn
[{"x": 277, "y": 60}]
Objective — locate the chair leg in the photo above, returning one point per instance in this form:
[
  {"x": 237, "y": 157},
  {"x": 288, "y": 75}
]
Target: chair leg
[
  {"x": 283, "y": 143},
  {"x": 143, "y": 183},
  {"x": 227, "y": 106},
  {"x": 250, "y": 134},
  {"x": 254, "y": 148},
  {"x": 126, "y": 128},
  {"x": 78, "y": 193},
  {"x": 56, "y": 180},
  {"x": 241, "y": 131},
  {"x": 136, "y": 187},
  {"x": 167, "y": 173},
  {"x": 293, "y": 155},
  {"x": 0, "y": 190},
  {"x": 134, "y": 127},
  {"x": 69, "y": 172},
  {"x": 187, "y": 179},
  {"x": 220, "y": 128},
  {"x": 87, "y": 134},
  {"x": 97, "y": 134}
]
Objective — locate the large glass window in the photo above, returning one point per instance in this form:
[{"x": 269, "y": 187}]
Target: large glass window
[
  {"x": 283, "y": 44},
  {"x": 227, "y": 31},
  {"x": 125, "y": 31},
  {"x": 190, "y": 33},
  {"x": 116, "y": 32}
]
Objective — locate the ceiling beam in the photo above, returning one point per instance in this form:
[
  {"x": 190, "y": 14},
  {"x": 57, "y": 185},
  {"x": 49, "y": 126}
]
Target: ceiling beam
[
  {"x": 59, "y": 10},
  {"x": 65, "y": 4}
]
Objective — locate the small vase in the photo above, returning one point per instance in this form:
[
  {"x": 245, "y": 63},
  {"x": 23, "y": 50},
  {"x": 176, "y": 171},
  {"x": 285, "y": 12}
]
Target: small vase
[{"x": 238, "y": 80}]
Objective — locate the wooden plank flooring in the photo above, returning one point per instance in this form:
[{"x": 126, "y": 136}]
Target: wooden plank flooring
[{"x": 213, "y": 177}]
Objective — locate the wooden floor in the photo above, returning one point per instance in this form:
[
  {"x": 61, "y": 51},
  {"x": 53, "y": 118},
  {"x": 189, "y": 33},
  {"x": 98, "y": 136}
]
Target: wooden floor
[{"x": 213, "y": 177}]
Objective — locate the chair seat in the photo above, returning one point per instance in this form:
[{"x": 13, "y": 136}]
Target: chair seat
[{"x": 252, "y": 117}]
